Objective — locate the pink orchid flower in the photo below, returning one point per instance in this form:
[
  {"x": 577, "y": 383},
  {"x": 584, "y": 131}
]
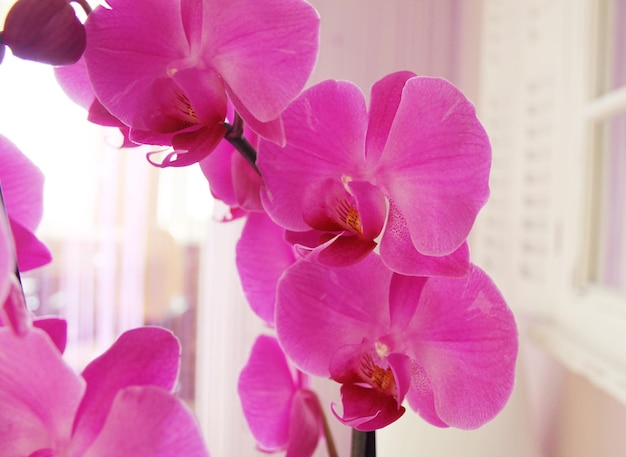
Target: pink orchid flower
[
  {"x": 22, "y": 190},
  {"x": 281, "y": 411},
  {"x": 167, "y": 69},
  {"x": 7, "y": 262},
  {"x": 262, "y": 257},
  {"x": 13, "y": 311},
  {"x": 20, "y": 213},
  {"x": 446, "y": 345},
  {"x": 122, "y": 404},
  {"x": 417, "y": 164}
]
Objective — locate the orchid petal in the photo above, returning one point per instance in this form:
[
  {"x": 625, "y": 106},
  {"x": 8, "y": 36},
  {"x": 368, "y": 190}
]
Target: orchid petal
[
  {"x": 304, "y": 430},
  {"x": 465, "y": 338},
  {"x": 327, "y": 206},
  {"x": 404, "y": 295},
  {"x": 266, "y": 387},
  {"x": 192, "y": 147},
  {"x": 231, "y": 178},
  {"x": 14, "y": 312},
  {"x": 421, "y": 397},
  {"x": 139, "y": 136},
  {"x": 7, "y": 261},
  {"x": 344, "y": 251},
  {"x": 385, "y": 98},
  {"x": 272, "y": 130},
  {"x": 205, "y": 93},
  {"x": 281, "y": 53},
  {"x": 309, "y": 239},
  {"x": 400, "y": 366},
  {"x": 120, "y": 74},
  {"x": 22, "y": 191},
  {"x": 31, "y": 253},
  {"x": 98, "y": 114},
  {"x": 399, "y": 254},
  {"x": 233, "y": 214},
  {"x": 247, "y": 183},
  {"x": 74, "y": 81},
  {"x": 38, "y": 392},
  {"x": 320, "y": 308},
  {"x": 150, "y": 421},
  {"x": 435, "y": 165},
  {"x": 346, "y": 364},
  {"x": 143, "y": 356},
  {"x": 371, "y": 205},
  {"x": 193, "y": 129},
  {"x": 262, "y": 257},
  {"x": 22, "y": 186},
  {"x": 170, "y": 111},
  {"x": 192, "y": 17},
  {"x": 325, "y": 129},
  {"x": 361, "y": 364},
  {"x": 367, "y": 409},
  {"x": 56, "y": 328},
  {"x": 217, "y": 168}
]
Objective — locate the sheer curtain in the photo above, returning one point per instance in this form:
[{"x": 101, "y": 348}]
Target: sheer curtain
[{"x": 124, "y": 235}]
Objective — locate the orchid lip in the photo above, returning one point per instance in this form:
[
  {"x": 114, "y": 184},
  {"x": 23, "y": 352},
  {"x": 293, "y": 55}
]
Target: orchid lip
[
  {"x": 379, "y": 378},
  {"x": 186, "y": 111},
  {"x": 349, "y": 216}
]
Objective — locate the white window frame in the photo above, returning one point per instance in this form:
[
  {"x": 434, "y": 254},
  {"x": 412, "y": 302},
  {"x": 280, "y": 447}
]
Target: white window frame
[{"x": 582, "y": 324}]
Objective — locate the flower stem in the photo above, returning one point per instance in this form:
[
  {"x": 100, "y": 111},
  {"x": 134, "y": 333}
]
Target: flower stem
[
  {"x": 328, "y": 435},
  {"x": 234, "y": 135},
  {"x": 363, "y": 444}
]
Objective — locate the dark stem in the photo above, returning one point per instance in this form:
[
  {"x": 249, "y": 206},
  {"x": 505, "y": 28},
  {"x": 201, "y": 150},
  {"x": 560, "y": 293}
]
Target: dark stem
[
  {"x": 363, "y": 444},
  {"x": 234, "y": 135}
]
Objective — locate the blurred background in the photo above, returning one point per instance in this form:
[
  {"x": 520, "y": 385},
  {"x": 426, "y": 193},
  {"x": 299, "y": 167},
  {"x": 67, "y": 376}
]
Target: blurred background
[{"x": 136, "y": 245}]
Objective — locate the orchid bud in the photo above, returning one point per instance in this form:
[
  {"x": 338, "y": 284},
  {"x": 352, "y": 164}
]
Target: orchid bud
[{"x": 46, "y": 31}]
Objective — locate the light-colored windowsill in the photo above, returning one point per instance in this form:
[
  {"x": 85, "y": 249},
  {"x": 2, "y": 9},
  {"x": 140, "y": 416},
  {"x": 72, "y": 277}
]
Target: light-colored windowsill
[{"x": 589, "y": 338}]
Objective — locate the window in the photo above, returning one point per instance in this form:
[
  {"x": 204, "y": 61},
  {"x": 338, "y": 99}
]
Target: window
[
  {"x": 607, "y": 111},
  {"x": 554, "y": 234}
]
